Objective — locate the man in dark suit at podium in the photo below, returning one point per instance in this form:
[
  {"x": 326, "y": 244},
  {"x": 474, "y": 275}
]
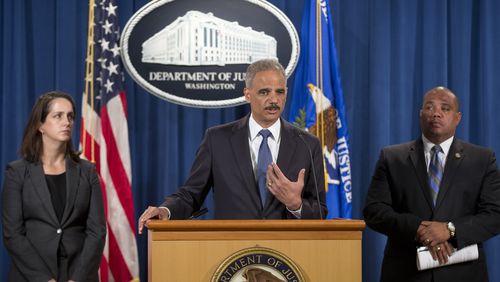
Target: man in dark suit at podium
[{"x": 252, "y": 179}]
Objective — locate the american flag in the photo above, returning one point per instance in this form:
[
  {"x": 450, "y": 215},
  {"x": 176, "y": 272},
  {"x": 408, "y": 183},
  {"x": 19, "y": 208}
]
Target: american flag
[{"x": 104, "y": 140}]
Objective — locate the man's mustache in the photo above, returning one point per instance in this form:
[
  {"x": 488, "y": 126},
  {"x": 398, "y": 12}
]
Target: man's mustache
[{"x": 272, "y": 107}]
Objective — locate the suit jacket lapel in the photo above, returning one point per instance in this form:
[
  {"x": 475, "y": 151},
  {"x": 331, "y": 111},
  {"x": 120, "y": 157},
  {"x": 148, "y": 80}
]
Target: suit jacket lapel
[
  {"x": 417, "y": 157},
  {"x": 39, "y": 183},
  {"x": 453, "y": 160},
  {"x": 241, "y": 151},
  {"x": 72, "y": 184}
]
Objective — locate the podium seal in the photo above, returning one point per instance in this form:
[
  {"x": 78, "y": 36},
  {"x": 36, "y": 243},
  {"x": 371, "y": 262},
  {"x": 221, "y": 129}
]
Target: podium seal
[{"x": 258, "y": 264}]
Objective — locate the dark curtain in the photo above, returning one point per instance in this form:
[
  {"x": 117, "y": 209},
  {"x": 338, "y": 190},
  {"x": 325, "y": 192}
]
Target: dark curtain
[{"x": 390, "y": 53}]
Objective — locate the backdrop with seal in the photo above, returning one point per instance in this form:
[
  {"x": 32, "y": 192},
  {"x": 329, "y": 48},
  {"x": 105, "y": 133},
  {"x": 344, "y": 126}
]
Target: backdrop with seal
[{"x": 195, "y": 52}]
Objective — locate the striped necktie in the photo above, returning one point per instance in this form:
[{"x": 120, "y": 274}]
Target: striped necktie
[{"x": 435, "y": 170}]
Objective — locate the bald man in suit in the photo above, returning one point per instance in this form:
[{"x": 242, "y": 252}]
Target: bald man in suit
[{"x": 457, "y": 206}]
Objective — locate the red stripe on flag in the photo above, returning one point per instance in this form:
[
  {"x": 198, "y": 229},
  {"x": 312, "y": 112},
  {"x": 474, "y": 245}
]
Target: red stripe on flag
[
  {"x": 104, "y": 275},
  {"x": 118, "y": 267},
  {"x": 116, "y": 169}
]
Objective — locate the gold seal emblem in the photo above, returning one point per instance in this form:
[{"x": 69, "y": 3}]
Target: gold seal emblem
[{"x": 258, "y": 264}]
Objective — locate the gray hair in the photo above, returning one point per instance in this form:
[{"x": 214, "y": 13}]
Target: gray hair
[{"x": 262, "y": 65}]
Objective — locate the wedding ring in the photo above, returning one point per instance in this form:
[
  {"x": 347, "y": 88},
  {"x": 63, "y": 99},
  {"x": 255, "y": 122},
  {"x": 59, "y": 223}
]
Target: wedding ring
[
  {"x": 427, "y": 241},
  {"x": 438, "y": 248}
]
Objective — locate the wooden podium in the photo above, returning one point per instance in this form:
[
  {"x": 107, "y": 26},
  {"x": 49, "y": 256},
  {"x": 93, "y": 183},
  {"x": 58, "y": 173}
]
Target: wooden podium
[{"x": 192, "y": 250}]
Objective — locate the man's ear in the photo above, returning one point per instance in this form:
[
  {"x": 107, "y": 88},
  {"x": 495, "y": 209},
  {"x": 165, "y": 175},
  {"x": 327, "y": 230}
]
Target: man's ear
[
  {"x": 246, "y": 93},
  {"x": 459, "y": 117}
]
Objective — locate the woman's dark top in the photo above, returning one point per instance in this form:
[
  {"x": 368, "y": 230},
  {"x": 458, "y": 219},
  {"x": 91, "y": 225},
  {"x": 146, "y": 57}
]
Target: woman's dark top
[{"x": 57, "y": 189}]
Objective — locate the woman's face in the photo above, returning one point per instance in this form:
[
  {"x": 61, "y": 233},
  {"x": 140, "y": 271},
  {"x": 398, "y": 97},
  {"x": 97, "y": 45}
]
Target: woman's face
[{"x": 59, "y": 122}]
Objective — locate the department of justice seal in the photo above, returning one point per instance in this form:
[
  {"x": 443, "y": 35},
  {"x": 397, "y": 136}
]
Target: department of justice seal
[
  {"x": 195, "y": 52},
  {"x": 258, "y": 264}
]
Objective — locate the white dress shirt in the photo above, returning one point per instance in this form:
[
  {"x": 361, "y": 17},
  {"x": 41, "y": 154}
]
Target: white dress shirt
[{"x": 255, "y": 139}]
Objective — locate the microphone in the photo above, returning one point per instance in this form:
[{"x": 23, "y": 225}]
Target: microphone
[
  {"x": 314, "y": 173},
  {"x": 198, "y": 213}
]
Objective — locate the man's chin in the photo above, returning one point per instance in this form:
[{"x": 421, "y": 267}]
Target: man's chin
[
  {"x": 438, "y": 132},
  {"x": 270, "y": 119}
]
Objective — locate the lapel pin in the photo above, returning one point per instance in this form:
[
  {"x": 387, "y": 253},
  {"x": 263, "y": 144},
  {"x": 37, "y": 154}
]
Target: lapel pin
[{"x": 457, "y": 155}]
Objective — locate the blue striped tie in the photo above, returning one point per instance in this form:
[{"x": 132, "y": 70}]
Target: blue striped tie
[
  {"x": 435, "y": 171},
  {"x": 264, "y": 160}
]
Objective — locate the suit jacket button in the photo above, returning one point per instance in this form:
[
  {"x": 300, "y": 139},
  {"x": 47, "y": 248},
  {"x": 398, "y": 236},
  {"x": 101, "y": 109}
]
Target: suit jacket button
[{"x": 59, "y": 231}]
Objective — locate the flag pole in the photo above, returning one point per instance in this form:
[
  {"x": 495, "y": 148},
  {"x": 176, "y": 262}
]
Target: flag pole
[
  {"x": 320, "y": 117},
  {"x": 89, "y": 86}
]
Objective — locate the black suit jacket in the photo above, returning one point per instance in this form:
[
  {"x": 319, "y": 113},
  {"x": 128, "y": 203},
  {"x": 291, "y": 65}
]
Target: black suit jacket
[
  {"x": 223, "y": 163},
  {"x": 32, "y": 233},
  {"x": 399, "y": 199}
]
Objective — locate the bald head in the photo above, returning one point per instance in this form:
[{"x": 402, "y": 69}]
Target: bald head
[{"x": 441, "y": 90}]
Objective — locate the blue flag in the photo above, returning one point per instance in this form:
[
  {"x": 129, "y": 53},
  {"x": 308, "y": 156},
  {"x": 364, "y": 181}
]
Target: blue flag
[{"x": 317, "y": 104}]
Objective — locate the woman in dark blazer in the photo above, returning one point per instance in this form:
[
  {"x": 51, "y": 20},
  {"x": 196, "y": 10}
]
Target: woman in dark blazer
[{"x": 53, "y": 213}]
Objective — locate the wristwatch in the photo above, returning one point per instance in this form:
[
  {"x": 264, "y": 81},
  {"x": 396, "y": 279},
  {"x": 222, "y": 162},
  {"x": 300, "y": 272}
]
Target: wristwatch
[{"x": 451, "y": 228}]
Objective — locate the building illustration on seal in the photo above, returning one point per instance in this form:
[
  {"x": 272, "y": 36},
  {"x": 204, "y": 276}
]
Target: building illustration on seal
[{"x": 198, "y": 38}]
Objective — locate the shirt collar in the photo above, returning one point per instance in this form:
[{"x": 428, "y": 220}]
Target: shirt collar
[
  {"x": 445, "y": 145},
  {"x": 255, "y": 128}
]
